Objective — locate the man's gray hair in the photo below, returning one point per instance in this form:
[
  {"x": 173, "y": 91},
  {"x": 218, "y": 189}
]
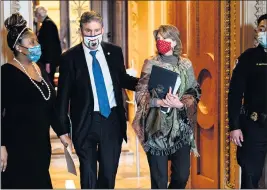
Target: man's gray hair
[
  {"x": 90, "y": 16},
  {"x": 41, "y": 10}
]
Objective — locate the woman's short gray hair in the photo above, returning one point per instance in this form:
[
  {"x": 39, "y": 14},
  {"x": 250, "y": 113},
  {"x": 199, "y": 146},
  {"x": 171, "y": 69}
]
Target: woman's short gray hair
[{"x": 170, "y": 31}]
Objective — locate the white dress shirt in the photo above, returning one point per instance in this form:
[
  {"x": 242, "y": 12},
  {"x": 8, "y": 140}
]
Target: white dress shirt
[{"x": 100, "y": 56}]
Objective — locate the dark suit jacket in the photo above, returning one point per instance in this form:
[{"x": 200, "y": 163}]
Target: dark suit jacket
[
  {"x": 48, "y": 37},
  {"x": 74, "y": 87}
]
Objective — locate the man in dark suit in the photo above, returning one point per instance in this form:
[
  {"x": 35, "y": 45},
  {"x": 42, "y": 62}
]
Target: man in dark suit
[
  {"x": 49, "y": 39},
  {"x": 91, "y": 78}
]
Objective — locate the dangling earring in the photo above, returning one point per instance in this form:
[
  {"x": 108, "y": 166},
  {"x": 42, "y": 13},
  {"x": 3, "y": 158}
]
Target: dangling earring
[
  {"x": 174, "y": 46},
  {"x": 19, "y": 50}
]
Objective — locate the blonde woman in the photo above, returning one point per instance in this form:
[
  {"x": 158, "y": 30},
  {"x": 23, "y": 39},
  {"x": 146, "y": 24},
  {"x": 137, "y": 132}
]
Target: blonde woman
[{"x": 168, "y": 136}]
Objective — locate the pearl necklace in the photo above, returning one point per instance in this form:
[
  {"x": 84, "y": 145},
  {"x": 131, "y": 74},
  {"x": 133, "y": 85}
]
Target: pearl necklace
[{"x": 49, "y": 91}]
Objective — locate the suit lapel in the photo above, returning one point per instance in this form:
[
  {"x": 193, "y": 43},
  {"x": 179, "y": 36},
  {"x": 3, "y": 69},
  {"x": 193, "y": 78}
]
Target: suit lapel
[
  {"x": 108, "y": 56},
  {"x": 81, "y": 56},
  {"x": 81, "y": 60}
]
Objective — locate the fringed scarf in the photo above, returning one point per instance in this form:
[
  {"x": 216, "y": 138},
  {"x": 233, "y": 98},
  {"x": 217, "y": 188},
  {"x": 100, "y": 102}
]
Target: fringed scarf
[{"x": 164, "y": 134}]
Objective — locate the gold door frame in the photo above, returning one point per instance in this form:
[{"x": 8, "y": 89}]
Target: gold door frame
[
  {"x": 229, "y": 44},
  {"x": 230, "y": 50}
]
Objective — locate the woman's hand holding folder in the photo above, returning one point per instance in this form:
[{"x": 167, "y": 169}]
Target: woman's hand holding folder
[{"x": 171, "y": 101}]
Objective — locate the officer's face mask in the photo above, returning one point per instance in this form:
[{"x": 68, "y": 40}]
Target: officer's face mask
[
  {"x": 262, "y": 39},
  {"x": 92, "y": 42}
]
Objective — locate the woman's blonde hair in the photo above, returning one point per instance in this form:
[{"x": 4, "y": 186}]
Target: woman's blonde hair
[{"x": 170, "y": 31}]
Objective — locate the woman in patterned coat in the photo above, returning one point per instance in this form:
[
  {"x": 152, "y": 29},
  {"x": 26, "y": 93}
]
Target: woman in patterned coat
[{"x": 168, "y": 135}]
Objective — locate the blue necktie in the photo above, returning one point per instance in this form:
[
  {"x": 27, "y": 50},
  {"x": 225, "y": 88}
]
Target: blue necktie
[{"x": 100, "y": 87}]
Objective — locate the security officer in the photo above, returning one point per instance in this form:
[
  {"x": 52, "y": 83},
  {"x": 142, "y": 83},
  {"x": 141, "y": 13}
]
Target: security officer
[{"x": 249, "y": 126}]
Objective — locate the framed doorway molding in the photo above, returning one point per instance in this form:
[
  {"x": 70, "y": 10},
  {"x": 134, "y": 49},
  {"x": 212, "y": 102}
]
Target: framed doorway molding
[{"x": 230, "y": 50}]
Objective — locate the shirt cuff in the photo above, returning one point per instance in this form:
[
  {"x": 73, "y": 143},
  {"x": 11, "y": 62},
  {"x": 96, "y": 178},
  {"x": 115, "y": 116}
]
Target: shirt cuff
[{"x": 153, "y": 103}]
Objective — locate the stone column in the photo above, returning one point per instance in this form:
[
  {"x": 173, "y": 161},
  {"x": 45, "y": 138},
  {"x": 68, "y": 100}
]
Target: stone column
[
  {"x": 2, "y": 59},
  {"x": 106, "y": 11},
  {"x": 7, "y": 8},
  {"x": 120, "y": 27},
  {"x": 64, "y": 25}
]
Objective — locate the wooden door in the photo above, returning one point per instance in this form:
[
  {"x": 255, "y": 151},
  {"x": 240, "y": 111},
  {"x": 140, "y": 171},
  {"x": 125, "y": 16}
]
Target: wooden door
[{"x": 199, "y": 24}]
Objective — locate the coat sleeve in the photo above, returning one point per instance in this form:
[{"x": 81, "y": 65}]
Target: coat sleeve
[
  {"x": 236, "y": 91},
  {"x": 64, "y": 91},
  {"x": 127, "y": 81},
  {"x": 4, "y": 97}
]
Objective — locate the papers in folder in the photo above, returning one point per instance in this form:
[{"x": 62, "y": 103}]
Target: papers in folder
[
  {"x": 69, "y": 160},
  {"x": 161, "y": 80}
]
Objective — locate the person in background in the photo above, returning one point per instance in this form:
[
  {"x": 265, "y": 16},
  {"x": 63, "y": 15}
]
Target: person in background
[
  {"x": 171, "y": 135},
  {"x": 27, "y": 111},
  {"x": 91, "y": 78},
  {"x": 48, "y": 37},
  {"x": 248, "y": 128}
]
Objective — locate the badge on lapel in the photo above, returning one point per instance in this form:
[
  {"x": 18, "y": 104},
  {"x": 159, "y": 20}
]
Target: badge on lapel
[{"x": 236, "y": 62}]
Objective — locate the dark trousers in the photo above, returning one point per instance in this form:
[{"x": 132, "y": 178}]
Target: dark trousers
[
  {"x": 180, "y": 169},
  {"x": 103, "y": 144},
  {"x": 251, "y": 155}
]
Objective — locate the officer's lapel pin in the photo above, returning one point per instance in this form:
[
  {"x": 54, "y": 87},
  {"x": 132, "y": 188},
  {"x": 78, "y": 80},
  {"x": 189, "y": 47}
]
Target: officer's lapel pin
[{"x": 236, "y": 62}]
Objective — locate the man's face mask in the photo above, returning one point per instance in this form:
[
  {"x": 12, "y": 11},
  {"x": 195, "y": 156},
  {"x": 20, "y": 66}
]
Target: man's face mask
[
  {"x": 262, "y": 39},
  {"x": 92, "y": 42}
]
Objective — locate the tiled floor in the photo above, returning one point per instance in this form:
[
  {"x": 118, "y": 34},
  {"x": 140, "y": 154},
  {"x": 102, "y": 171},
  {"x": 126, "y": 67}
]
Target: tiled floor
[{"x": 126, "y": 177}]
